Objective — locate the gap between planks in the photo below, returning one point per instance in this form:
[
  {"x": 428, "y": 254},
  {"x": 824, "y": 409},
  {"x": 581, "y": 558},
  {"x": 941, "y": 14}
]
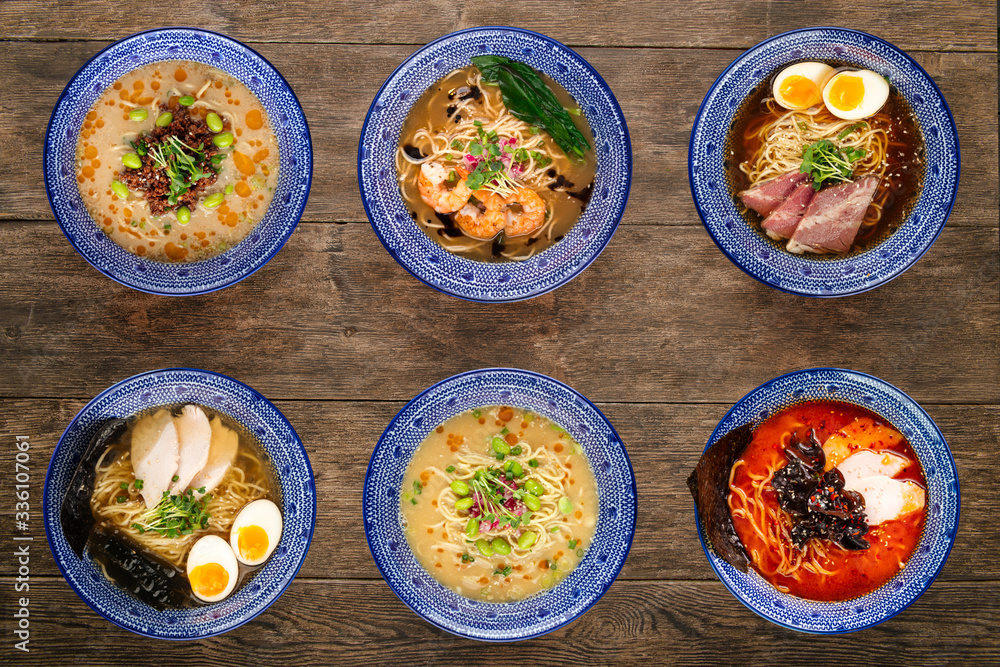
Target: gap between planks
[{"x": 572, "y": 45}]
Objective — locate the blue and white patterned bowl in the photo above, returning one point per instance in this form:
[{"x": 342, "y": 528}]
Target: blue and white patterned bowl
[
  {"x": 943, "y": 501},
  {"x": 811, "y": 275},
  {"x": 290, "y": 463},
  {"x": 543, "y": 612},
  {"x": 287, "y": 121},
  {"x": 486, "y": 281}
]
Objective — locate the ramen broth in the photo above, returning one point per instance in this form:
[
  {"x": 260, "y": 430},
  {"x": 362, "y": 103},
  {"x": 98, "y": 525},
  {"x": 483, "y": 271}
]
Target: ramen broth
[
  {"x": 250, "y": 477},
  {"x": 563, "y": 523},
  {"x": 901, "y": 182},
  {"x": 246, "y": 180},
  {"x": 564, "y": 185},
  {"x": 836, "y": 574}
]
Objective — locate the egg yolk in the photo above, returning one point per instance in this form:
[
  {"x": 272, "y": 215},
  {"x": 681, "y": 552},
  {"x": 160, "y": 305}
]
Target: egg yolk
[
  {"x": 799, "y": 91},
  {"x": 209, "y": 580},
  {"x": 846, "y": 92},
  {"x": 253, "y": 543}
]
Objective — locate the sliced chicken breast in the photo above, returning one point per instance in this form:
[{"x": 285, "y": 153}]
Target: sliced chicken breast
[
  {"x": 887, "y": 498},
  {"x": 194, "y": 434},
  {"x": 154, "y": 455},
  {"x": 221, "y": 454},
  {"x": 867, "y": 463},
  {"x": 864, "y": 433}
]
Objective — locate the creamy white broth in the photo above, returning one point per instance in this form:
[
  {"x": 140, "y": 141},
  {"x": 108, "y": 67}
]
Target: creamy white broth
[
  {"x": 249, "y": 172},
  {"x": 436, "y": 531}
]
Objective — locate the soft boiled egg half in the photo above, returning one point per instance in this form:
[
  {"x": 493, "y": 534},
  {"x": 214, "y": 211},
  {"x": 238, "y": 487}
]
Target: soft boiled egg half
[
  {"x": 212, "y": 569},
  {"x": 256, "y": 532},
  {"x": 800, "y": 86},
  {"x": 855, "y": 94}
]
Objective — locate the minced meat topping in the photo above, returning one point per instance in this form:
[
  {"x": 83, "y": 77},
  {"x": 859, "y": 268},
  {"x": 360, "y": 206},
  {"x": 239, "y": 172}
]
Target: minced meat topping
[{"x": 179, "y": 162}]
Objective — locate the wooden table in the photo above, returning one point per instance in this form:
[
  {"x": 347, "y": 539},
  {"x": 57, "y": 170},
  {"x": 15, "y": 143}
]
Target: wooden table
[{"x": 662, "y": 331}]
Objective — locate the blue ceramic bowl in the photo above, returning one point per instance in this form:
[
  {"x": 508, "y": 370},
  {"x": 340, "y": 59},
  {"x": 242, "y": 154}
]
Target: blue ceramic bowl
[
  {"x": 811, "y": 275},
  {"x": 943, "y": 502},
  {"x": 291, "y": 465},
  {"x": 543, "y": 612},
  {"x": 287, "y": 121},
  {"x": 485, "y": 281}
]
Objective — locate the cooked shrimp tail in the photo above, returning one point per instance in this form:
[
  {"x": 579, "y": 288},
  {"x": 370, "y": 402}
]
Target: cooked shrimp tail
[{"x": 442, "y": 189}]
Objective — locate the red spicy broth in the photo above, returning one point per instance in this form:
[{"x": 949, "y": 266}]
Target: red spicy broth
[{"x": 849, "y": 574}]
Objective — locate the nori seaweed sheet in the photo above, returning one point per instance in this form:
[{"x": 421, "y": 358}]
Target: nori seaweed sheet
[
  {"x": 75, "y": 515},
  {"x": 709, "y": 484}
]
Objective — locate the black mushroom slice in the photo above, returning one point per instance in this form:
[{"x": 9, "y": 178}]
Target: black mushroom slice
[
  {"x": 819, "y": 505},
  {"x": 75, "y": 515},
  {"x": 709, "y": 484}
]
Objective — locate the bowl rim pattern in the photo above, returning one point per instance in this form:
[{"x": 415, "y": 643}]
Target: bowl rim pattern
[
  {"x": 628, "y": 517},
  {"x": 507, "y": 295},
  {"x": 56, "y": 541},
  {"x": 848, "y": 281},
  {"x": 213, "y": 282},
  {"x": 779, "y": 613}
]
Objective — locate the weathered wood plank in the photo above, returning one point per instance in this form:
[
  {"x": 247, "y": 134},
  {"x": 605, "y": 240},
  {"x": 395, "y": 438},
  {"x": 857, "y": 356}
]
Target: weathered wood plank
[
  {"x": 659, "y": 90},
  {"x": 332, "y": 316},
  {"x": 664, "y": 442},
  {"x": 700, "y": 23},
  {"x": 363, "y": 623}
]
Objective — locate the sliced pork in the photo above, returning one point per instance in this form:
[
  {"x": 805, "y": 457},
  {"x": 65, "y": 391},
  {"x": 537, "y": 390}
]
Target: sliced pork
[
  {"x": 767, "y": 196},
  {"x": 154, "y": 455},
  {"x": 194, "y": 434},
  {"x": 833, "y": 217},
  {"x": 782, "y": 222}
]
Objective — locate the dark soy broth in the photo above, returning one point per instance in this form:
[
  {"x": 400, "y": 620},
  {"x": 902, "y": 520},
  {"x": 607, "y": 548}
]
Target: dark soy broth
[{"x": 898, "y": 190}]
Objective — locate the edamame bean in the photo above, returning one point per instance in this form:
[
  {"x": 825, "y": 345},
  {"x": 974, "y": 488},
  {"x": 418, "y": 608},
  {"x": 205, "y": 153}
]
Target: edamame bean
[
  {"x": 214, "y": 122},
  {"x": 229, "y": 189},
  {"x": 534, "y": 487},
  {"x": 565, "y": 505},
  {"x": 138, "y": 114},
  {"x": 460, "y": 488},
  {"x": 119, "y": 189},
  {"x": 517, "y": 469},
  {"x": 213, "y": 201},
  {"x": 223, "y": 139},
  {"x": 183, "y": 215},
  {"x": 526, "y": 540},
  {"x": 185, "y": 101},
  {"x": 132, "y": 161},
  {"x": 164, "y": 119},
  {"x": 484, "y": 547},
  {"x": 472, "y": 529},
  {"x": 500, "y": 546},
  {"x": 532, "y": 502},
  {"x": 463, "y": 503},
  {"x": 500, "y": 446}
]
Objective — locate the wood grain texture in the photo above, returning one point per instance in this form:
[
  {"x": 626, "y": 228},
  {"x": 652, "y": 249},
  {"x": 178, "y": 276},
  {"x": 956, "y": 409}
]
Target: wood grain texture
[
  {"x": 664, "y": 442},
  {"x": 342, "y": 622},
  {"x": 969, "y": 26},
  {"x": 662, "y": 331},
  {"x": 661, "y": 308},
  {"x": 660, "y": 91}
]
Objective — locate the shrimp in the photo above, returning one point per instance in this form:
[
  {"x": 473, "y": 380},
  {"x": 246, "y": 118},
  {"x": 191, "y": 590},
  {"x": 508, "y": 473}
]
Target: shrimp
[
  {"x": 433, "y": 189},
  {"x": 479, "y": 223},
  {"x": 528, "y": 219}
]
